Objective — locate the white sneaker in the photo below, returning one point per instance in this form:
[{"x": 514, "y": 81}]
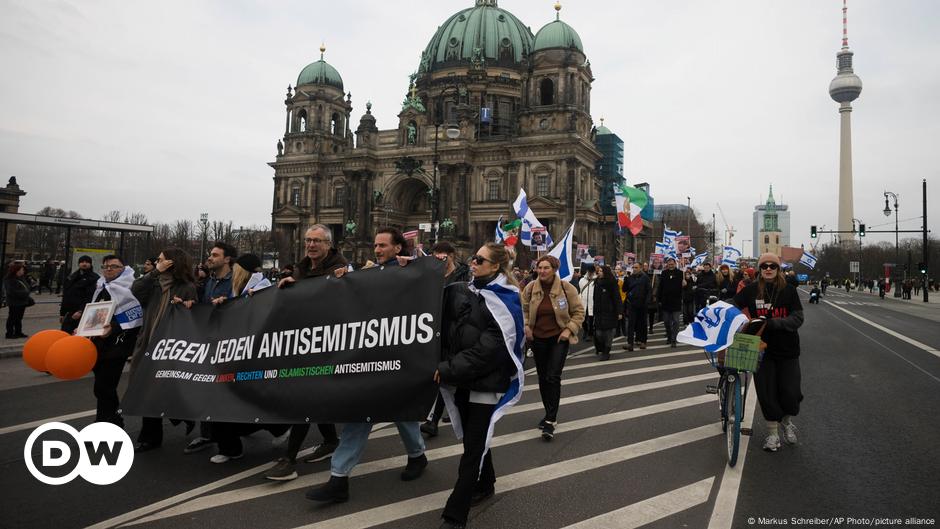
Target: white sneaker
[
  {"x": 789, "y": 432},
  {"x": 772, "y": 443},
  {"x": 222, "y": 458}
]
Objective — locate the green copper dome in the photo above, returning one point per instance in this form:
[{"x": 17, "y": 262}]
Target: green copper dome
[
  {"x": 557, "y": 34},
  {"x": 483, "y": 32},
  {"x": 320, "y": 72}
]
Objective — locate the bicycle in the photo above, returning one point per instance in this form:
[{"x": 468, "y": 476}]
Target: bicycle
[{"x": 732, "y": 388}]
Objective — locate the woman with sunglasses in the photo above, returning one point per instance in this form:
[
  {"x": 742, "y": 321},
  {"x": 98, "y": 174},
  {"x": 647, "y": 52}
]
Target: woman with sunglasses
[
  {"x": 778, "y": 379},
  {"x": 481, "y": 370},
  {"x": 553, "y": 317}
]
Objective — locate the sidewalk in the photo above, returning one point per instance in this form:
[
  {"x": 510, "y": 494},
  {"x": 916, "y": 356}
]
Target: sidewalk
[{"x": 41, "y": 316}]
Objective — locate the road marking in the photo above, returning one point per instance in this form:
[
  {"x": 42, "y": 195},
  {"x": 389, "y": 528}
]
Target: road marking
[
  {"x": 627, "y": 373},
  {"x": 727, "y": 499},
  {"x": 536, "y": 476},
  {"x": 897, "y": 335},
  {"x": 40, "y": 422},
  {"x": 257, "y": 491},
  {"x": 595, "y": 363},
  {"x": 652, "y": 509}
]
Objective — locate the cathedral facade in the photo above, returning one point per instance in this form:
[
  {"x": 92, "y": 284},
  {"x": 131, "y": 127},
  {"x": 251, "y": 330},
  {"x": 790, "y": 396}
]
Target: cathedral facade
[{"x": 491, "y": 109}]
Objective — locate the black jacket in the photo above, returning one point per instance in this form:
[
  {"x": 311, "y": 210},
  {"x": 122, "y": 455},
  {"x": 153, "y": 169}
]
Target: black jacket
[
  {"x": 77, "y": 291},
  {"x": 669, "y": 290},
  {"x": 727, "y": 288},
  {"x": 784, "y": 314},
  {"x": 16, "y": 292},
  {"x": 473, "y": 352},
  {"x": 638, "y": 289},
  {"x": 120, "y": 343},
  {"x": 331, "y": 262},
  {"x": 461, "y": 274},
  {"x": 607, "y": 305}
]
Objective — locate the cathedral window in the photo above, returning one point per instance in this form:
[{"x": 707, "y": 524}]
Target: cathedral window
[
  {"x": 766, "y": 239},
  {"x": 339, "y": 197},
  {"x": 295, "y": 196},
  {"x": 547, "y": 92},
  {"x": 542, "y": 186},
  {"x": 302, "y": 117},
  {"x": 492, "y": 191}
]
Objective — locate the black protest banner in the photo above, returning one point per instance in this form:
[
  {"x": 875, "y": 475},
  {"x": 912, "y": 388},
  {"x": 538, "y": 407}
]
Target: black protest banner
[{"x": 360, "y": 348}]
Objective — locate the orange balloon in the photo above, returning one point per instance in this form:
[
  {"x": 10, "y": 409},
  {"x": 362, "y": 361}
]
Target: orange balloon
[
  {"x": 71, "y": 358},
  {"x": 36, "y": 348}
]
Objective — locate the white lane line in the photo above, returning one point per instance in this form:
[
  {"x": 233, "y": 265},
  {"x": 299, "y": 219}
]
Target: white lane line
[
  {"x": 590, "y": 349},
  {"x": 884, "y": 329},
  {"x": 40, "y": 422},
  {"x": 257, "y": 491},
  {"x": 627, "y": 373},
  {"x": 526, "y": 478},
  {"x": 652, "y": 509},
  {"x": 727, "y": 499},
  {"x": 594, "y": 363},
  {"x": 521, "y": 408}
]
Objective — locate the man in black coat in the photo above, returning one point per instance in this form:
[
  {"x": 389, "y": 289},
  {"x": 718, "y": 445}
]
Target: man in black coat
[
  {"x": 669, "y": 294},
  {"x": 77, "y": 292},
  {"x": 637, "y": 288},
  {"x": 706, "y": 284}
]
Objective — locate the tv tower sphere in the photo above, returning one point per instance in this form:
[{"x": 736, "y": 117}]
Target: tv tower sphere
[{"x": 845, "y": 86}]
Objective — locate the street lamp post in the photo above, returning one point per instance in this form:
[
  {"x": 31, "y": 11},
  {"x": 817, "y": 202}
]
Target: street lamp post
[
  {"x": 859, "y": 280},
  {"x": 453, "y": 132},
  {"x": 204, "y": 221},
  {"x": 897, "y": 247}
]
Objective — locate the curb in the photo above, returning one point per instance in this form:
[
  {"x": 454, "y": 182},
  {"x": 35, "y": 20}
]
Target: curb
[{"x": 11, "y": 351}]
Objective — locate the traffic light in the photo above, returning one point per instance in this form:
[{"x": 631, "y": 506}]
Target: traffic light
[
  {"x": 922, "y": 267},
  {"x": 861, "y": 229},
  {"x": 812, "y": 232}
]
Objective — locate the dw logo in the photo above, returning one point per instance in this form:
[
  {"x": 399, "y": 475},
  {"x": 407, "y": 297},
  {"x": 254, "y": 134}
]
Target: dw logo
[{"x": 102, "y": 453}]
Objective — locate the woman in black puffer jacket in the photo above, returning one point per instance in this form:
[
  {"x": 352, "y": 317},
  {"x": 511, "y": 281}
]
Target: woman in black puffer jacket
[
  {"x": 608, "y": 309},
  {"x": 477, "y": 370}
]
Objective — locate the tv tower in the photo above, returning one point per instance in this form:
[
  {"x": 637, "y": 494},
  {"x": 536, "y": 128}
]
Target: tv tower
[{"x": 845, "y": 88}]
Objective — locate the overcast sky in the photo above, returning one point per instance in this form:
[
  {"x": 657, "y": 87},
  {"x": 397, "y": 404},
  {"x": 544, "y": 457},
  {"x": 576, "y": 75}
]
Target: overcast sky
[{"x": 174, "y": 108}]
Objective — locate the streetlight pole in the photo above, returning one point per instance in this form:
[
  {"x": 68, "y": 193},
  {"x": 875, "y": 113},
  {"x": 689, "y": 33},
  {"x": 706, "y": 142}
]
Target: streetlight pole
[
  {"x": 688, "y": 216},
  {"x": 897, "y": 247},
  {"x": 453, "y": 132},
  {"x": 859, "y": 280},
  {"x": 435, "y": 161},
  {"x": 204, "y": 220},
  {"x": 924, "y": 281}
]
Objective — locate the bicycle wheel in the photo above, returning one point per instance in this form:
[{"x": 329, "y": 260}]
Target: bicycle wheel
[
  {"x": 734, "y": 412},
  {"x": 723, "y": 402}
]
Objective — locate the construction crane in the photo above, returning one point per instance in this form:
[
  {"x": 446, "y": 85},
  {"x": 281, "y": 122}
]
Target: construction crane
[{"x": 729, "y": 230}]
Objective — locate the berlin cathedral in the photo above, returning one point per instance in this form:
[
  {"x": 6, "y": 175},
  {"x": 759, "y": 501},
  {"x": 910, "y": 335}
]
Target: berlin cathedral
[{"x": 491, "y": 109}]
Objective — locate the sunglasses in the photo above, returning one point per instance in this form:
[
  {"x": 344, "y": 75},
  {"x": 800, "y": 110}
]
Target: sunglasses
[
  {"x": 479, "y": 259},
  {"x": 769, "y": 266}
]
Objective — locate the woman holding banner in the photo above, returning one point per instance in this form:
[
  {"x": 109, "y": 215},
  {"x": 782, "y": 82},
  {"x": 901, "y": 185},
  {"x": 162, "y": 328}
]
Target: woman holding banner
[
  {"x": 778, "y": 379},
  {"x": 170, "y": 282},
  {"x": 481, "y": 371},
  {"x": 553, "y": 316}
]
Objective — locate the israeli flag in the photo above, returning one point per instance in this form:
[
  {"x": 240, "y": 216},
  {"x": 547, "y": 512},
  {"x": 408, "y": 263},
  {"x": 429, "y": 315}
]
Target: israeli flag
[
  {"x": 809, "y": 260},
  {"x": 662, "y": 248},
  {"x": 699, "y": 259},
  {"x": 714, "y": 327},
  {"x": 500, "y": 234},
  {"x": 669, "y": 237},
  {"x": 562, "y": 251},
  {"x": 730, "y": 256},
  {"x": 529, "y": 221}
]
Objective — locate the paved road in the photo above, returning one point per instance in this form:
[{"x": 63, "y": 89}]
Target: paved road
[{"x": 638, "y": 445}]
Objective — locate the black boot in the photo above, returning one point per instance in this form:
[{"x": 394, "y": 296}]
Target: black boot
[
  {"x": 414, "y": 468},
  {"x": 335, "y": 490}
]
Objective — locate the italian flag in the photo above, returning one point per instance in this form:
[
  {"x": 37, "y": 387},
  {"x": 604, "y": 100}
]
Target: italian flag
[{"x": 630, "y": 202}]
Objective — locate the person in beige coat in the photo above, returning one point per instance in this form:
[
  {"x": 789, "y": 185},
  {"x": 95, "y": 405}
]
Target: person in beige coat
[{"x": 553, "y": 316}]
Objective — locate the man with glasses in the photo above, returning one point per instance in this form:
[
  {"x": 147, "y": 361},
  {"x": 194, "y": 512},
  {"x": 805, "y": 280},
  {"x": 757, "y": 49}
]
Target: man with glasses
[
  {"x": 117, "y": 343},
  {"x": 78, "y": 291},
  {"x": 388, "y": 246},
  {"x": 320, "y": 260}
]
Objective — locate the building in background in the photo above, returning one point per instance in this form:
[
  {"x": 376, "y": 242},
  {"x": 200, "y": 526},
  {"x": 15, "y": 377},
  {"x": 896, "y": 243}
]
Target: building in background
[
  {"x": 490, "y": 109},
  {"x": 9, "y": 203},
  {"x": 609, "y": 167},
  {"x": 845, "y": 88},
  {"x": 782, "y": 212},
  {"x": 770, "y": 237}
]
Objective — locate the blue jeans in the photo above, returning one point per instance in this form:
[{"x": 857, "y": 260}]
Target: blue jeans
[{"x": 353, "y": 438}]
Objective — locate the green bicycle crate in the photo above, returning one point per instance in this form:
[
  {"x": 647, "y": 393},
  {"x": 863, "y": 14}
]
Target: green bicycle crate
[{"x": 744, "y": 354}]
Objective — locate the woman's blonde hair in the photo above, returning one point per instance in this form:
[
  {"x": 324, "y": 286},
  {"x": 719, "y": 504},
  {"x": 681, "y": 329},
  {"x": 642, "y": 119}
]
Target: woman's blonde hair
[
  {"x": 503, "y": 256},
  {"x": 240, "y": 278}
]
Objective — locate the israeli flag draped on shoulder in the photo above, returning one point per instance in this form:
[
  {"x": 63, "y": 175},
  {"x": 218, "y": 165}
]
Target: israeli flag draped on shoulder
[
  {"x": 504, "y": 303},
  {"x": 562, "y": 251},
  {"x": 127, "y": 309},
  {"x": 808, "y": 260},
  {"x": 500, "y": 234},
  {"x": 529, "y": 221},
  {"x": 714, "y": 327},
  {"x": 256, "y": 282}
]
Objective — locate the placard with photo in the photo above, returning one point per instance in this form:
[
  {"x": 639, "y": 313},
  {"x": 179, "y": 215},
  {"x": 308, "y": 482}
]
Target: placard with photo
[{"x": 94, "y": 317}]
